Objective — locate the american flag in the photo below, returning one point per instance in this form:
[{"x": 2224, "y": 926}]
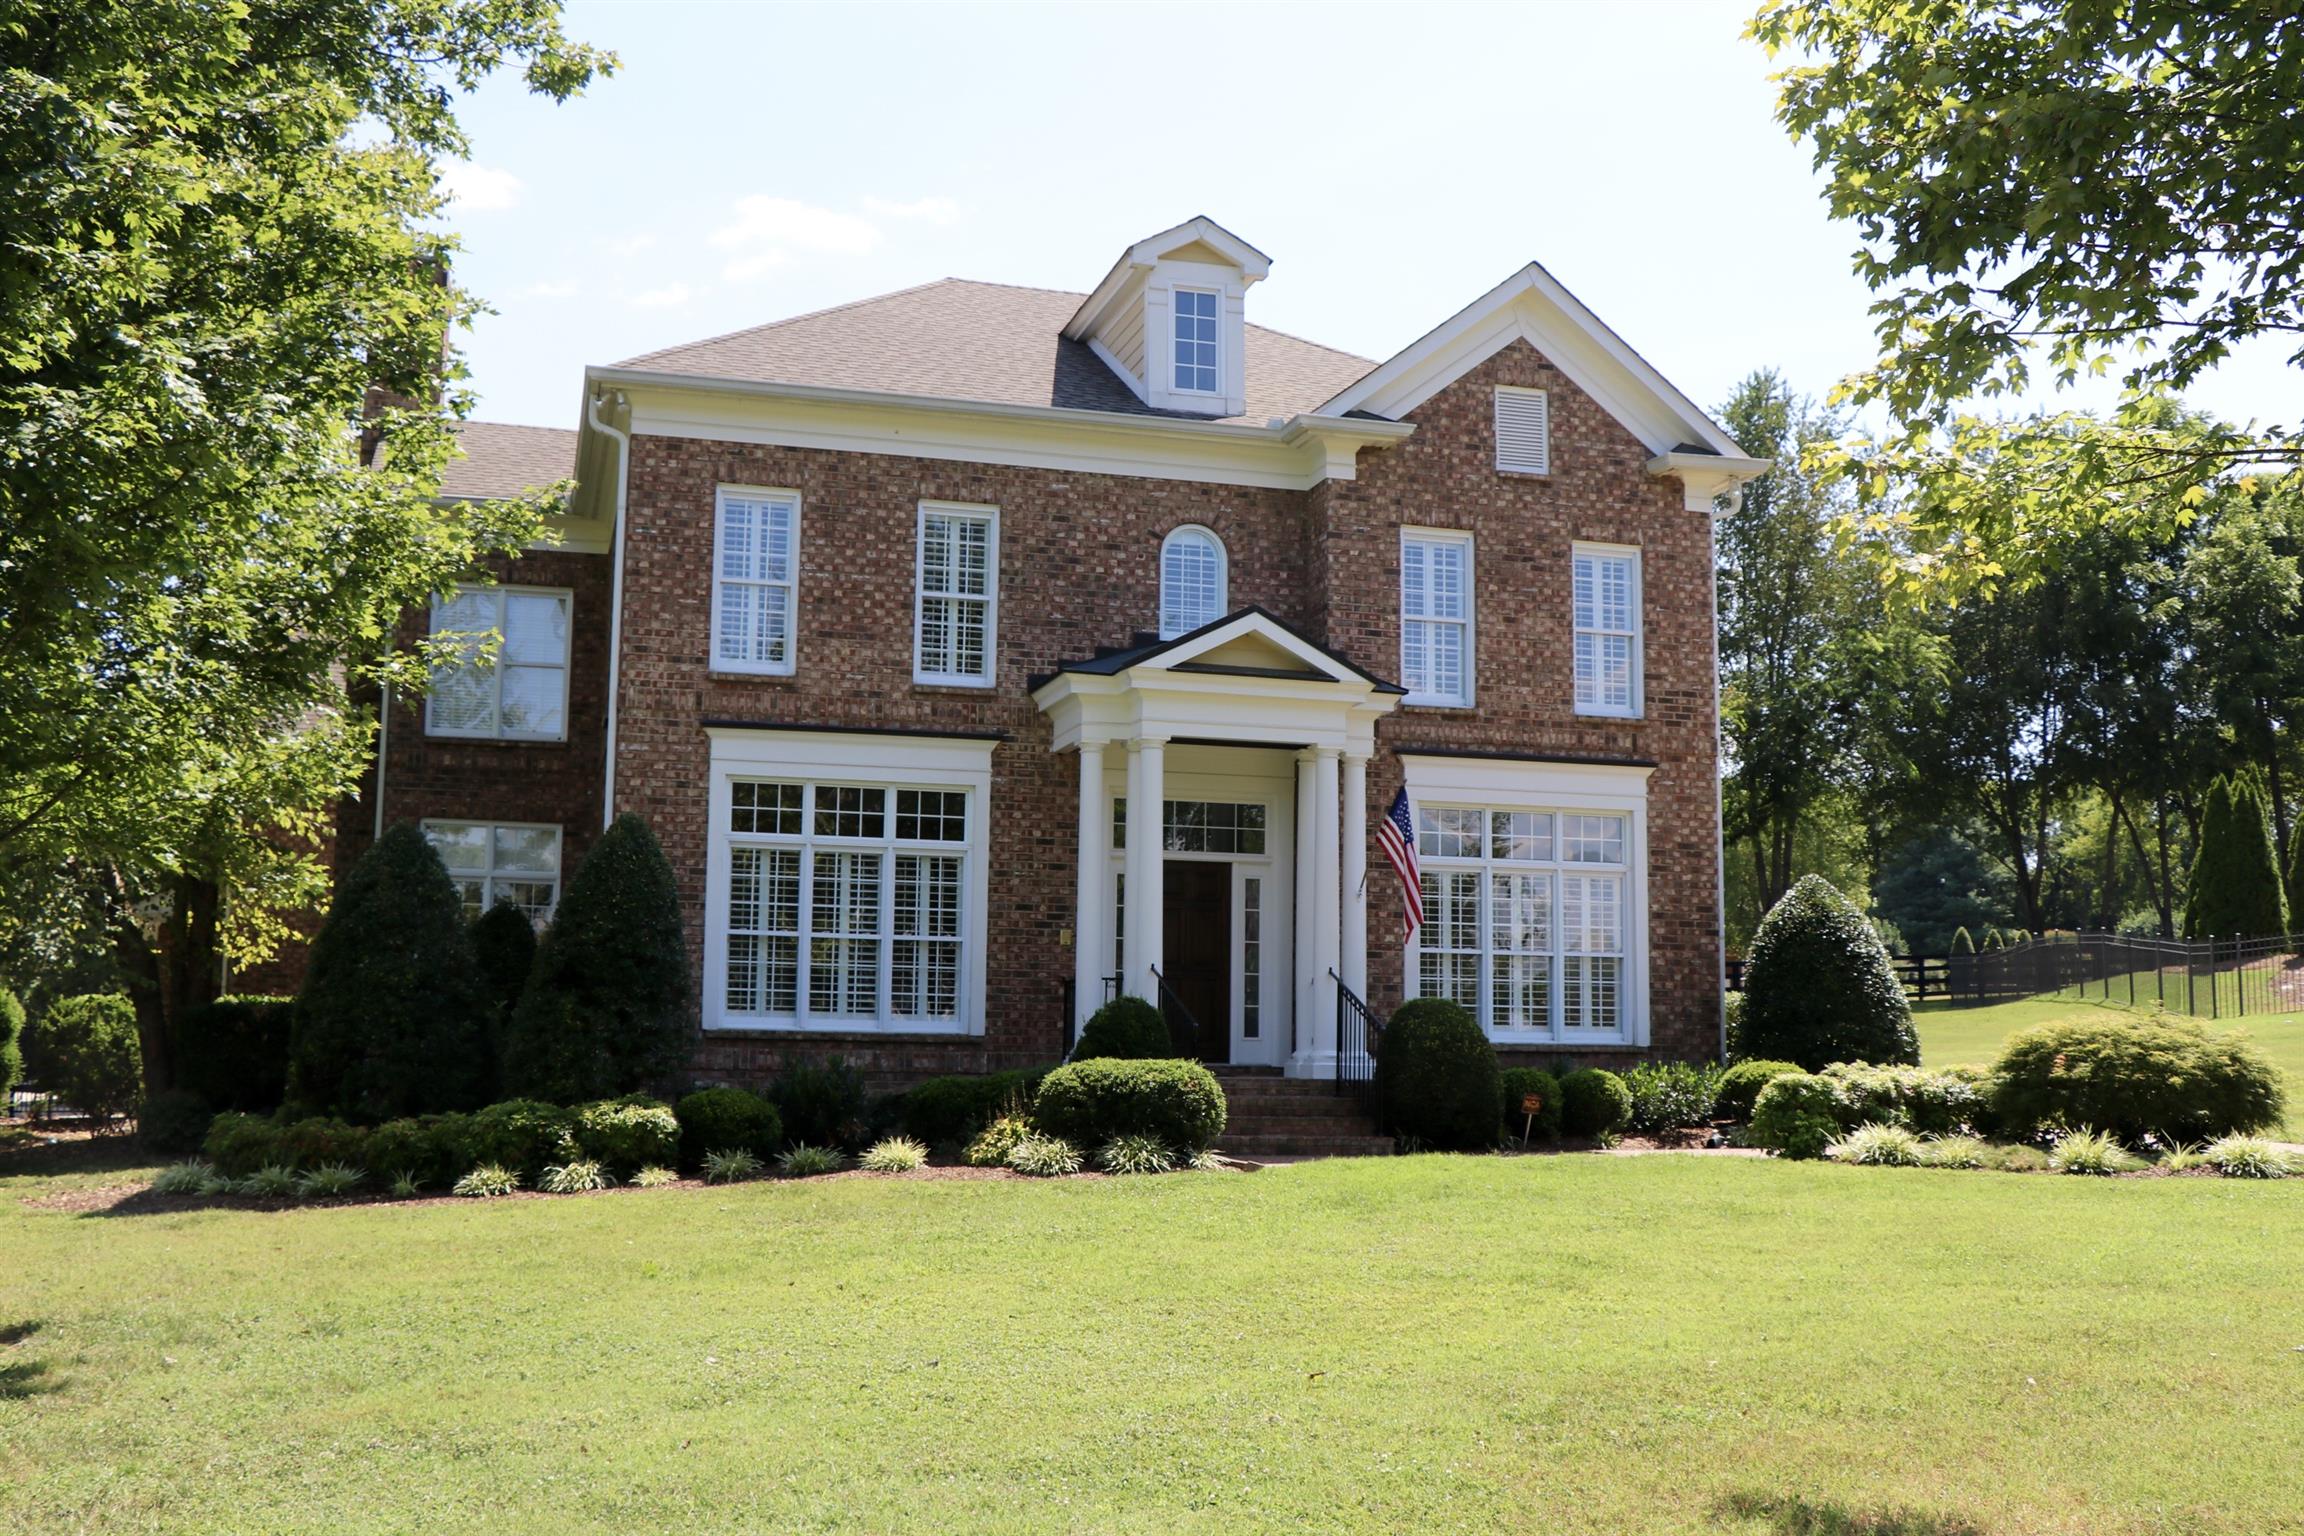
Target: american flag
[{"x": 1396, "y": 835}]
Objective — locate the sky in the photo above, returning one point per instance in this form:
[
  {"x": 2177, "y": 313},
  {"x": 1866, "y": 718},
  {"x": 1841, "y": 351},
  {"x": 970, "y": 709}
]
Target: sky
[{"x": 750, "y": 162}]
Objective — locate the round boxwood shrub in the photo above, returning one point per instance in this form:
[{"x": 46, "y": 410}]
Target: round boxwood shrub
[
  {"x": 233, "y": 1052},
  {"x": 239, "y": 1144},
  {"x": 1519, "y": 1083},
  {"x": 1594, "y": 1102},
  {"x": 1818, "y": 987},
  {"x": 629, "y": 1133},
  {"x": 1125, "y": 1029},
  {"x": 1740, "y": 1085},
  {"x": 175, "y": 1122},
  {"x": 1800, "y": 1115},
  {"x": 2165, "y": 1075},
  {"x": 727, "y": 1120},
  {"x": 1092, "y": 1102},
  {"x": 524, "y": 1135},
  {"x": 90, "y": 1055},
  {"x": 1437, "y": 1076}
]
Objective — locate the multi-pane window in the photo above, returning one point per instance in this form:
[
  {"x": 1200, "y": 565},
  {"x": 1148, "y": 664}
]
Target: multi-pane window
[
  {"x": 1199, "y": 826},
  {"x": 496, "y": 865},
  {"x": 845, "y": 900},
  {"x": 1196, "y": 361},
  {"x": 1524, "y": 920},
  {"x": 1436, "y": 617},
  {"x": 1607, "y": 602},
  {"x": 1191, "y": 581},
  {"x": 958, "y": 585},
  {"x": 509, "y": 677},
  {"x": 753, "y": 577},
  {"x": 1251, "y": 957}
]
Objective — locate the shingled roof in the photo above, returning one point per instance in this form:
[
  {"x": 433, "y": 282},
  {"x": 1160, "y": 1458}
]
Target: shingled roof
[
  {"x": 502, "y": 460},
  {"x": 987, "y": 342}
]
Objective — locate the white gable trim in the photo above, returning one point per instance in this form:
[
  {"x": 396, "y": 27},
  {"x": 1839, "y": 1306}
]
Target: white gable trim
[
  {"x": 1239, "y": 627},
  {"x": 1141, "y": 257}
]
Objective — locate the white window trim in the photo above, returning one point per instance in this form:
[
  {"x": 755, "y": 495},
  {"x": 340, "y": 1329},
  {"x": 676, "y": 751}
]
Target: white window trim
[
  {"x": 489, "y": 876},
  {"x": 895, "y": 762},
  {"x": 1218, "y": 295},
  {"x": 1223, "y": 577},
  {"x": 1639, "y": 705},
  {"x": 1471, "y": 619},
  {"x": 1593, "y": 790},
  {"x": 990, "y": 517},
  {"x": 1544, "y": 446},
  {"x": 791, "y": 661},
  {"x": 496, "y": 669}
]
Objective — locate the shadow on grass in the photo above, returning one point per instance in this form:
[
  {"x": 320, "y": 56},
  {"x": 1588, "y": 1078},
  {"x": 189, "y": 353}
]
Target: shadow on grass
[
  {"x": 53, "y": 1154},
  {"x": 1787, "y": 1514},
  {"x": 23, "y": 1378}
]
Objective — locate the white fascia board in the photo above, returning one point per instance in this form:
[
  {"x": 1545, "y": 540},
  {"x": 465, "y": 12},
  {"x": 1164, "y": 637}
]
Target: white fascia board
[
  {"x": 1532, "y": 305},
  {"x": 1705, "y": 477},
  {"x": 1293, "y": 456},
  {"x": 1606, "y": 786}
]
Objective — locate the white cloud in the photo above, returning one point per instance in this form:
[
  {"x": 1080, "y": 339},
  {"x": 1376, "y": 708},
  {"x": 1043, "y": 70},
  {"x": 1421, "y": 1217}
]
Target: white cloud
[
  {"x": 663, "y": 298},
  {"x": 479, "y": 186},
  {"x": 630, "y": 245},
  {"x": 928, "y": 210},
  {"x": 562, "y": 288},
  {"x": 768, "y": 229}
]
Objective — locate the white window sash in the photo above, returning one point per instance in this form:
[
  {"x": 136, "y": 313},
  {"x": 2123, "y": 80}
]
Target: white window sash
[
  {"x": 949, "y": 603},
  {"x": 1434, "y": 640},
  {"x": 1605, "y": 613},
  {"x": 728, "y": 591},
  {"x": 496, "y": 669},
  {"x": 493, "y": 876},
  {"x": 1213, "y": 343},
  {"x": 1192, "y": 598}
]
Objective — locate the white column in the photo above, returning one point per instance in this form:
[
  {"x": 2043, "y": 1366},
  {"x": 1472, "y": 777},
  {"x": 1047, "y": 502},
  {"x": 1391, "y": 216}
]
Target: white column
[
  {"x": 1091, "y": 902},
  {"x": 1327, "y": 893},
  {"x": 1304, "y": 994},
  {"x": 1354, "y": 970},
  {"x": 1141, "y": 946}
]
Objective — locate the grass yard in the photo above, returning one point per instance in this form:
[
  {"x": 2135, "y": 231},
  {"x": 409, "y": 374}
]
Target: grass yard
[
  {"x": 1950, "y": 1034},
  {"x": 1579, "y": 1343}
]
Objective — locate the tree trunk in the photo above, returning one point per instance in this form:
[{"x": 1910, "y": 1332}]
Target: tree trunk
[{"x": 169, "y": 972}]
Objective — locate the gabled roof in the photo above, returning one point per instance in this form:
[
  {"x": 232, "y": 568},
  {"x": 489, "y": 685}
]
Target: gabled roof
[
  {"x": 1300, "y": 657},
  {"x": 501, "y": 461},
  {"x": 988, "y": 342},
  {"x": 1200, "y": 234}
]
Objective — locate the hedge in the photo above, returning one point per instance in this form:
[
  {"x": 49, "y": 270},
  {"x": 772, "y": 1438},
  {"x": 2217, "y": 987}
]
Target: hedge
[
  {"x": 1437, "y": 1076},
  {"x": 1088, "y": 1103},
  {"x": 504, "y": 949},
  {"x": 11, "y": 1045},
  {"x": 822, "y": 1103},
  {"x": 175, "y": 1122},
  {"x": 1518, "y": 1083},
  {"x": 233, "y": 1052}
]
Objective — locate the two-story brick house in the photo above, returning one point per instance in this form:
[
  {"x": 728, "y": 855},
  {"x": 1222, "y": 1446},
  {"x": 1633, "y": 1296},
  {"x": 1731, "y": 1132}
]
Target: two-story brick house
[{"x": 976, "y": 651}]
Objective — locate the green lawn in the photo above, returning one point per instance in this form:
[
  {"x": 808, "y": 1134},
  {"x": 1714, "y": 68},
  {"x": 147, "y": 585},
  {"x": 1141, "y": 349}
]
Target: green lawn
[
  {"x": 1579, "y": 1344},
  {"x": 1950, "y": 1034}
]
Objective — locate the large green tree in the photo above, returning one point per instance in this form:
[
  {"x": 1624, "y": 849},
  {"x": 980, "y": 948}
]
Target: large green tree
[
  {"x": 2236, "y": 889},
  {"x": 224, "y": 401}
]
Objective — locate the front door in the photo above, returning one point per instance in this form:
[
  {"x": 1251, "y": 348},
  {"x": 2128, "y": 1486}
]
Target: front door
[{"x": 1196, "y": 937}]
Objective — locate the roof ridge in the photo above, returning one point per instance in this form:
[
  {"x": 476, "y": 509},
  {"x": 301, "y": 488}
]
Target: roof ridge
[{"x": 770, "y": 325}]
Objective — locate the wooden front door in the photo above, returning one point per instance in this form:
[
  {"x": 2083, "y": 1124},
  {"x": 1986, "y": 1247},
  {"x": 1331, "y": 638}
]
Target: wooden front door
[{"x": 1196, "y": 939}]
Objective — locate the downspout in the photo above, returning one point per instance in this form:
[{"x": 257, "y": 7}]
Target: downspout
[
  {"x": 383, "y": 750},
  {"x": 615, "y": 603}
]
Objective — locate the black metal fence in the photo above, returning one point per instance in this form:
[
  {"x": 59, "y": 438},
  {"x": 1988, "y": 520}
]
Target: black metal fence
[
  {"x": 1924, "y": 976},
  {"x": 2207, "y": 978}
]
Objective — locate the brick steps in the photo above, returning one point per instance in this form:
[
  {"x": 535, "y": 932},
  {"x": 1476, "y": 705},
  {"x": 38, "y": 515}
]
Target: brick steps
[{"x": 1268, "y": 1115}]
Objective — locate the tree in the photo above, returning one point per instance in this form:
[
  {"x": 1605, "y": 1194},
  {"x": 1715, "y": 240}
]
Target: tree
[
  {"x": 606, "y": 1009},
  {"x": 221, "y": 261},
  {"x": 388, "y": 1023},
  {"x": 87, "y": 1052},
  {"x": 1818, "y": 987},
  {"x": 2296, "y": 878},
  {"x": 2235, "y": 886},
  {"x": 1932, "y": 889}
]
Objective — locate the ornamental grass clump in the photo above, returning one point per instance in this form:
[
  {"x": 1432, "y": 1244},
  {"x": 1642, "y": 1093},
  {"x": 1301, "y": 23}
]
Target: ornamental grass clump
[
  {"x": 1955, "y": 1152},
  {"x": 1134, "y": 1154},
  {"x": 405, "y": 1186},
  {"x": 802, "y": 1161},
  {"x": 898, "y": 1154},
  {"x": 190, "y": 1177},
  {"x": 489, "y": 1181},
  {"x": 732, "y": 1165},
  {"x": 2094, "y": 1153},
  {"x": 2248, "y": 1157},
  {"x": 328, "y": 1181},
  {"x": 1044, "y": 1157},
  {"x": 576, "y": 1178},
  {"x": 273, "y": 1181},
  {"x": 1878, "y": 1146},
  {"x": 654, "y": 1178}
]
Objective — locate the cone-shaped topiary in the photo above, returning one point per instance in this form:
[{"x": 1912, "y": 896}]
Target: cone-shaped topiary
[
  {"x": 2235, "y": 890},
  {"x": 1126, "y": 1028},
  {"x": 504, "y": 944},
  {"x": 1438, "y": 1076},
  {"x": 2296, "y": 877},
  {"x": 388, "y": 1023},
  {"x": 606, "y": 1009},
  {"x": 1818, "y": 987},
  {"x": 1994, "y": 939},
  {"x": 1963, "y": 943},
  {"x": 11, "y": 1044}
]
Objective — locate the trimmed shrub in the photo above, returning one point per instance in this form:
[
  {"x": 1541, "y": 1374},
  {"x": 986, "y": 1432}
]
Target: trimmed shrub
[
  {"x": 1732, "y": 1025},
  {"x": 605, "y": 1010},
  {"x": 233, "y": 1052},
  {"x": 2160, "y": 1075},
  {"x": 992, "y": 1145},
  {"x": 388, "y": 1023},
  {"x": 11, "y": 1045},
  {"x": 949, "y": 1111},
  {"x": 174, "y": 1121},
  {"x": 2294, "y": 882},
  {"x": 1125, "y": 1029},
  {"x": 1092, "y": 1102},
  {"x": 1818, "y": 987},
  {"x": 628, "y": 1133},
  {"x": 1932, "y": 1103},
  {"x": 1437, "y": 1076},
  {"x": 898, "y": 1154},
  {"x": 431, "y": 1149},
  {"x": 524, "y": 1135},
  {"x": 504, "y": 950},
  {"x": 822, "y": 1103},
  {"x": 2235, "y": 890},
  {"x": 311, "y": 1142},
  {"x": 1799, "y": 1115},
  {"x": 1963, "y": 942},
  {"x": 1518, "y": 1083},
  {"x": 1594, "y": 1103},
  {"x": 239, "y": 1144},
  {"x": 90, "y": 1055},
  {"x": 1740, "y": 1085},
  {"x": 1879, "y": 1146},
  {"x": 1044, "y": 1157},
  {"x": 1671, "y": 1095},
  {"x": 718, "y": 1119}
]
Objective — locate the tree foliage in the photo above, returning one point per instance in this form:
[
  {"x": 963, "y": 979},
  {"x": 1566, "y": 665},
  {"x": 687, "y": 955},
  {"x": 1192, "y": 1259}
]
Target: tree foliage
[{"x": 86, "y": 1047}]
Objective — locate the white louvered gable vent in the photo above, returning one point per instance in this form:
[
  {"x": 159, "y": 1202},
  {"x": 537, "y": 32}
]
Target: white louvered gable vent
[{"x": 1523, "y": 431}]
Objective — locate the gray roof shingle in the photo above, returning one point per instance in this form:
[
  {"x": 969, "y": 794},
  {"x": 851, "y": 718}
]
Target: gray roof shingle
[{"x": 501, "y": 460}]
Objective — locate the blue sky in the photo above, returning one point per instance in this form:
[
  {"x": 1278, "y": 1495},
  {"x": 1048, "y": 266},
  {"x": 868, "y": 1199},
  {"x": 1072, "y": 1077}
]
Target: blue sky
[{"x": 751, "y": 162}]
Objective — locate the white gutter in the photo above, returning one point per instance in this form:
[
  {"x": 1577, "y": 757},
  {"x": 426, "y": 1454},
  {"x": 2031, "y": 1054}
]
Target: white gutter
[
  {"x": 615, "y": 606},
  {"x": 1719, "y": 754}
]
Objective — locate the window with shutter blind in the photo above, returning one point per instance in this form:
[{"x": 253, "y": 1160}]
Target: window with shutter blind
[
  {"x": 1192, "y": 580},
  {"x": 958, "y": 579},
  {"x": 509, "y": 676},
  {"x": 755, "y": 575},
  {"x": 1607, "y": 620},
  {"x": 1523, "y": 431},
  {"x": 1436, "y": 617}
]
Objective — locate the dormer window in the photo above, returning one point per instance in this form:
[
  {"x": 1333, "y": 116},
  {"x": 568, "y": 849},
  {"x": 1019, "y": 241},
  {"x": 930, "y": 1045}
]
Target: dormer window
[
  {"x": 1197, "y": 368},
  {"x": 1192, "y": 580}
]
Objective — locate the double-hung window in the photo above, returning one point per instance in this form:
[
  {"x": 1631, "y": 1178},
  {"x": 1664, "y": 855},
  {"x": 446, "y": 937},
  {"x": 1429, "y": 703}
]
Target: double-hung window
[
  {"x": 1525, "y": 919},
  {"x": 1197, "y": 365},
  {"x": 1191, "y": 580},
  {"x": 1607, "y": 617},
  {"x": 957, "y": 617},
  {"x": 755, "y": 572},
  {"x": 500, "y": 865},
  {"x": 845, "y": 903},
  {"x": 509, "y": 676},
  {"x": 1436, "y": 617}
]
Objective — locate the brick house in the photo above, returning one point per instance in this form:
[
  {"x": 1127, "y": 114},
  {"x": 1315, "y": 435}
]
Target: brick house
[{"x": 978, "y": 651}]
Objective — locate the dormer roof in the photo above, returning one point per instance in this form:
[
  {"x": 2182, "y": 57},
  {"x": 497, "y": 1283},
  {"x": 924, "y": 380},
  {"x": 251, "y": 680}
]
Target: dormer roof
[{"x": 1198, "y": 239}]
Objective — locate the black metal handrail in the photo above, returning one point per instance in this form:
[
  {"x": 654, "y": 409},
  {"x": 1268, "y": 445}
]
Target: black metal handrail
[
  {"x": 1359, "y": 1036},
  {"x": 1183, "y": 1028}
]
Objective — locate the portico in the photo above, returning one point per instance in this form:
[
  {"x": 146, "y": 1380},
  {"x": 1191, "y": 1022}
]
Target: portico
[{"x": 1242, "y": 744}]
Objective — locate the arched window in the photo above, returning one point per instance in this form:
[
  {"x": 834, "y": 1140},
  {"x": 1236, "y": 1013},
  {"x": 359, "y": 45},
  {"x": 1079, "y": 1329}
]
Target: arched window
[{"x": 1192, "y": 580}]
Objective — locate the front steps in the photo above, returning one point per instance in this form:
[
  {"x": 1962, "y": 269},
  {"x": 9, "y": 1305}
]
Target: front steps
[{"x": 1270, "y": 1116}]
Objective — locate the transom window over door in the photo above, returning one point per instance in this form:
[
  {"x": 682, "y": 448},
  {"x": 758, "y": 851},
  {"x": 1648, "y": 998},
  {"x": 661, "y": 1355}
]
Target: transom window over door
[
  {"x": 520, "y": 693},
  {"x": 753, "y": 578},
  {"x": 1192, "y": 580},
  {"x": 957, "y": 615},
  {"x": 1607, "y": 603},
  {"x": 1524, "y": 919},
  {"x": 1436, "y": 617},
  {"x": 1197, "y": 367}
]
